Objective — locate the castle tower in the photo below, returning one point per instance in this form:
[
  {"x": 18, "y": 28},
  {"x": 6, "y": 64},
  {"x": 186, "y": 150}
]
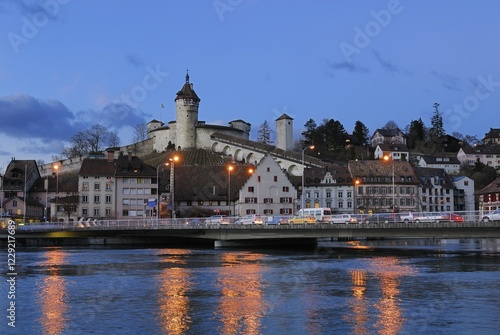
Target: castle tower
[
  {"x": 284, "y": 132},
  {"x": 186, "y": 109}
]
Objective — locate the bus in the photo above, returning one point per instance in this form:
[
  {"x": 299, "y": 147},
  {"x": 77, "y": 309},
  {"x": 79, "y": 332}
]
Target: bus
[{"x": 320, "y": 214}]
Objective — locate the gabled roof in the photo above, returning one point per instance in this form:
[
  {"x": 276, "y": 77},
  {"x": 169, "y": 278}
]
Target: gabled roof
[
  {"x": 440, "y": 159},
  {"x": 388, "y": 132},
  {"x": 393, "y": 147},
  {"x": 340, "y": 174},
  {"x": 29, "y": 201},
  {"x": 15, "y": 174},
  {"x": 371, "y": 170},
  {"x": 426, "y": 175},
  {"x": 493, "y": 187},
  {"x": 493, "y": 133}
]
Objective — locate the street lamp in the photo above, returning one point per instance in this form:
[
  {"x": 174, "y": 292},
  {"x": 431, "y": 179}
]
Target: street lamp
[
  {"x": 311, "y": 147},
  {"x": 172, "y": 161},
  {"x": 387, "y": 158},
  {"x": 252, "y": 171},
  {"x": 158, "y": 190},
  {"x": 229, "y": 169},
  {"x": 356, "y": 183},
  {"x": 56, "y": 167}
]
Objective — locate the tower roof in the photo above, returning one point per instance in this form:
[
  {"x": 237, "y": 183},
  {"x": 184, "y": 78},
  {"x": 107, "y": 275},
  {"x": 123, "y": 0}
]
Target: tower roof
[{"x": 187, "y": 91}]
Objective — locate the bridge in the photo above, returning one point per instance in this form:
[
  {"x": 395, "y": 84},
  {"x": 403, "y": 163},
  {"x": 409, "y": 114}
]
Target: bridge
[{"x": 184, "y": 232}]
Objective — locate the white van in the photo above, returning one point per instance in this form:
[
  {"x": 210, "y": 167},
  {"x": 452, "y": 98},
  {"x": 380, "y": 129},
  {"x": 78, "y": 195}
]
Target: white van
[{"x": 320, "y": 214}]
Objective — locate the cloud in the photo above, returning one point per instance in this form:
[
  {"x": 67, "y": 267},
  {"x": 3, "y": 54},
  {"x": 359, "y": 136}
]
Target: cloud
[
  {"x": 113, "y": 116},
  {"x": 448, "y": 81},
  {"x": 26, "y": 116},
  {"x": 388, "y": 66},
  {"x": 135, "y": 60},
  {"x": 347, "y": 66}
]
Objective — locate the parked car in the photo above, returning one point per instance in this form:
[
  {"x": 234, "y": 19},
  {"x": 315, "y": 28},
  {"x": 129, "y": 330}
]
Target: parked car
[
  {"x": 302, "y": 220},
  {"x": 452, "y": 217},
  {"x": 250, "y": 219},
  {"x": 217, "y": 219},
  {"x": 493, "y": 216},
  {"x": 428, "y": 217},
  {"x": 343, "y": 218},
  {"x": 362, "y": 218},
  {"x": 386, "y": 218}
]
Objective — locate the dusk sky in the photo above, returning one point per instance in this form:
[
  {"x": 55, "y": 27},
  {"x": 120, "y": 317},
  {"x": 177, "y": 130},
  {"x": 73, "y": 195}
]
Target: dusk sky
[{"x": 66, "y": 65}]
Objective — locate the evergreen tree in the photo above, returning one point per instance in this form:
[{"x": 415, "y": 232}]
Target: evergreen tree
[
  {"x": 264, "y": 134},
  {"x": 415, "y": 133},
  {"x": 309, "y": 134},
  {"x": 436, "y": 132},
  {"x": 361, "y": 132}
]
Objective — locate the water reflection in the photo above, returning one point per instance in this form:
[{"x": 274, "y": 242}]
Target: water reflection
[
  {"x": 241, "y": 304},
  {"x": 390, "y": 270},
  {"x": 389, "y": 319},
  {"x": 358, "y": 305},
  {"x": 173, "y": 302},
  {"x": 52, "y": 294}
]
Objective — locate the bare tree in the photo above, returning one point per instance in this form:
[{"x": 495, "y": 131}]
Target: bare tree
[
  {"x": 97, "y": 135},
  {"x": 140, "y": 132},
  {"x": 113, "y": 139}
]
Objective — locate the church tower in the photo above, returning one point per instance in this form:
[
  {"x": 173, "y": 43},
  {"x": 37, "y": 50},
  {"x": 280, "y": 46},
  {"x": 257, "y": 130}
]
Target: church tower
[
  {"x": 186, "y": 109},
  {"x": 284, "y": 132}
]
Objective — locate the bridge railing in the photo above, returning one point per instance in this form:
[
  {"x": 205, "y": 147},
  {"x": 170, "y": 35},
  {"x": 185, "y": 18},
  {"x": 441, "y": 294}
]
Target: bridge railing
[{"x": 456, "y": 218}]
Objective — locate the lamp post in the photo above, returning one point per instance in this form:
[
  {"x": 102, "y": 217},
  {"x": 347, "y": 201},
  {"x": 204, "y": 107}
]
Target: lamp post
[
  {"x": 311, "y": 147},
  {"x": 252, "y": 171},
  {"x": 172, "y": 161},
  {"x": 56, "y": 167},
  {"x": 356, "y": 183},
  {"x": 229, "y": 169},
  {"x": 387, "y": 158},
  {"x": 158, "y": 190}
]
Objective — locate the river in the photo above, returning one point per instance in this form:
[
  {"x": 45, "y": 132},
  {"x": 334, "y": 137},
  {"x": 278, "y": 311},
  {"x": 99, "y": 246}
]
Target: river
[{"x": 419, "y": 286}]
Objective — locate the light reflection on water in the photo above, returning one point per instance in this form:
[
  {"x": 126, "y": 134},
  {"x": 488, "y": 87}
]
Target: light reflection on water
[
  {"x": 346, "y": 288},
  {"x": 52, "y": 294}
]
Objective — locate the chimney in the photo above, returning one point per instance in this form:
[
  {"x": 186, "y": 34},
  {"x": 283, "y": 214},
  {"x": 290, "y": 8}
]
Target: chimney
[{"x": 111, "y": 156}]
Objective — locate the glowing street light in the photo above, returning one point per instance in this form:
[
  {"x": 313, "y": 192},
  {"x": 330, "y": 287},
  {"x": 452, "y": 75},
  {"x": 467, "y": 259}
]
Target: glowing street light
[
  {"x": 56, "y": 167},
  {"x": 252, "y": 171},
  {"x": 158, "y": 191},
  {"x": 172, "y": 161},
  {"x": 311, "y": 147},
  {"x": 229, "y": 169},
  {"x": 387, "y": 158}
]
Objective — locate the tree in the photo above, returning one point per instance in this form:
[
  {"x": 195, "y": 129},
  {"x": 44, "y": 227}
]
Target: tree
[
  {"x": 391, "y": 125},
  {"x": 361, "y": 133},
  {"x": 87, "y": 141},
  {"x": 436, "y": 131},
  {"x": 310, "y": 133},
  {"x": 140, "y": 132},
  {"x": 113, "y": 139},
  {"x": 415, "y": 133},
  {"x": 264, "y": 135}
]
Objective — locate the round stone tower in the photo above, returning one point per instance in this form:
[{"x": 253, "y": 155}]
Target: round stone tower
[{"x": 186, "y": 108}]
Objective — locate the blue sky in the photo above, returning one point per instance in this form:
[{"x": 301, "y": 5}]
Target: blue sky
[{"x": 68, "y": 64}]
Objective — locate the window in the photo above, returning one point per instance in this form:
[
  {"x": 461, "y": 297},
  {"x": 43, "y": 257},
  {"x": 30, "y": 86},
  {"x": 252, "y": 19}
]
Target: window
[
  {"x": 268, "y": 200},
  {"x": 268, "y": 211},
  {"x": 250, "y": 211},
  {"x": 328, "y": 194},
  {"x": 126, "y": 191},
  {"x": 108, "y": 186},
  {"x": 250, "y": 200},
  {"x": 97, "y": 199},
  {"x": 85, "y": 186},
  {"x": 466, "y": 183},
  {"x": 285, "y": 211},
  {"x": 250, "y": 189},
  {"x": 285, "y": 200},
  {"x": 108, "y": 199},
  {"x": 85, "y": 199},
  {"x": 341, "y": 194},
  {"x": 316, "y": 194},
  {"x": 286, "y": 189},
  {"x": 97, "y": 186},
  {"x": 126, "y": 202},
  {"x": 275, "y": 178},
  {"x": 14, "y": 203},
  {"x": 341, "y": 204},
  {"x": 108, "y": 211},
  {"x": 96, "y": 212}
]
